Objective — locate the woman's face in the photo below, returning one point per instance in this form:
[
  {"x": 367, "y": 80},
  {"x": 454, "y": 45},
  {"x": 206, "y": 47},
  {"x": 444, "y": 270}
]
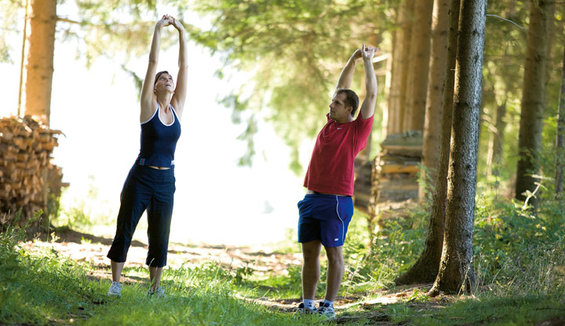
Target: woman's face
[{"x": 165, "y": 82}]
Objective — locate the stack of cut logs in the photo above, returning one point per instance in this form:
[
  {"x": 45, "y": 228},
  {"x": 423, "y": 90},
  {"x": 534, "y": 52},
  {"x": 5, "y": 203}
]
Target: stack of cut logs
[
  {"x": 27, "y": 177},
  {"x": 392, "y": 177},
  {"x": 395, "y": 171},
  {"x": 363, "y": 179}
]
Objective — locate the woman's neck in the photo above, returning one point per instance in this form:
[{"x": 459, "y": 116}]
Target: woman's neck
[{"x": 164, "y": 101}]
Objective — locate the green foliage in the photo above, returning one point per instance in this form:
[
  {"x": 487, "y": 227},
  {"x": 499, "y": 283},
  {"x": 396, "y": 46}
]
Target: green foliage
[
  {"x": 517, "y": 251},
  {"x": 11, "y": 19},
  {"x": 75, "y": 217},
  {"x": 118, "y": 30},
  {"x": 503, "y": 75},
  {"x": 295, "y": 50},
  {"x": 33, "y": 224},
  {"x": 402, "y": 238},
  {"x": 519, "y": 265},
  {"x": 504, "y": 57},
  {"x": 80, "y": 213}
]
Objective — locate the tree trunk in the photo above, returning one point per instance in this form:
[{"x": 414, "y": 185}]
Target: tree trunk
[
  {"x": 496, "y": 141},
  {"x": 399, "y": 69},
  {"x": 418, "y": 66},
  {"x": 39, "y": 65},
  {"x": 426, "y": 268},
  {"x": 560, "y": 140},
  {"x": 436, "y": 82},
  {"x": 533, "y": 99},
  {"x": 456, "y": 268}
]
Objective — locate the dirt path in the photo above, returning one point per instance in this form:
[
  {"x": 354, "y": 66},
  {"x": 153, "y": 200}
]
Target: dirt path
[{"x": 93, "y": 249}]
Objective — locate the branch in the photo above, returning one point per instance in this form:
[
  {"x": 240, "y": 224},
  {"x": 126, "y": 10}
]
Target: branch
[
  {"x": 188, "y": 27},
  {"x": 87, "y": 23},
  {"x": 507, "y": 20}
]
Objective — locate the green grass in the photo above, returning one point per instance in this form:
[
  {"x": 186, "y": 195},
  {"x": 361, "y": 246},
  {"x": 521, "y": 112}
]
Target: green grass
[
  {"x": 519, "y": 265},
  {"x": 41, "y": 288},
  {"x": 484, "y": 310},
  {"x": 198, "y": 306}
]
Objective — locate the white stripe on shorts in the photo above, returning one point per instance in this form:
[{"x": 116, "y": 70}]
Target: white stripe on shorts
[{"x": 339, "y": 216}]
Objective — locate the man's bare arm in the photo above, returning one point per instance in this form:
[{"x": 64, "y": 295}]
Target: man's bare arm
[
  {"x": 368, "y": 106},
  {"x": 346, "y": 76}
]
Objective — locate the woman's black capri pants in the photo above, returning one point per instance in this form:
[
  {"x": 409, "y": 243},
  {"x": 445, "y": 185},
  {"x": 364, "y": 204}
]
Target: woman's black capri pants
[{"x": 148, "y": 189}]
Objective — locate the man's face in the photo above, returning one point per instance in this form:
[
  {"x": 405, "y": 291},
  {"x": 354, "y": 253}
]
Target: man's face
[{"x": 338, "y": 109}]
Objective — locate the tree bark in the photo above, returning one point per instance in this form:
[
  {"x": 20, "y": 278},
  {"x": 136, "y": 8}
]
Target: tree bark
[
  {"x": 427, "y": 266},
  {"x": 436, "y": 82},
  {"x": 399, "y": 69},
  {"x": 560, "y": 140},
  {"x": 533, "y": 99},
  {"x": 39, "y": 65},
  {"x": 418, "y": 66},
  {"x": 456, "y": 268}
]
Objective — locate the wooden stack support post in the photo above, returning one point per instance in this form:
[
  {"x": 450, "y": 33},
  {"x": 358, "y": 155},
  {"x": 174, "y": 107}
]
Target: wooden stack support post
[{"x": 27, "y": 177}]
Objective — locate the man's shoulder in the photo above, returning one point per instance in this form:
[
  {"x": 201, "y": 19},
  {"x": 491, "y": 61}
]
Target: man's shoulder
[{"x": 361, "y": 118}]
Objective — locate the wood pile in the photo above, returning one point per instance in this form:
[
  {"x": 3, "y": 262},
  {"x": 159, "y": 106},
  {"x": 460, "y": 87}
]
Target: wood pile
[
  {"x": 395, "y": 172},
  {"x": 363, "y": 179},
  {"x": 392, "y": 177},
  {"x": 27, "y": 177}
]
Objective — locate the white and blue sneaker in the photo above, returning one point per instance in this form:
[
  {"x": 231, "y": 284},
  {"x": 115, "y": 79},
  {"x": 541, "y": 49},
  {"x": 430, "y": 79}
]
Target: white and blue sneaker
[
  {"x": 115, "y": 290},
  {"x": 157, "y": 293},
  {"x": 303, "y": 310},
  {"x": 326, "y": 310}
]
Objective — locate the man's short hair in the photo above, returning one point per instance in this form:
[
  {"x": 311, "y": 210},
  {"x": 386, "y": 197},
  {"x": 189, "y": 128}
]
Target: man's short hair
[{"x": 351, "y": 99}]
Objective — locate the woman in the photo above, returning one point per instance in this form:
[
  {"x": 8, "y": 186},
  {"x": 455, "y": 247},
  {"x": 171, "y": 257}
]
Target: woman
[{"x": 150, "y": 184}]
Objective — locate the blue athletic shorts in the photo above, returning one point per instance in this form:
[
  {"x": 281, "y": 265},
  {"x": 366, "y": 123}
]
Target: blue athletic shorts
[{"x": 324, "y": 218}]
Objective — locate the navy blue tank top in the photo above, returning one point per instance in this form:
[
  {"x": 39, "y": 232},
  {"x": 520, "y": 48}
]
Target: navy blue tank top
[{"x": 158, "y": 141}]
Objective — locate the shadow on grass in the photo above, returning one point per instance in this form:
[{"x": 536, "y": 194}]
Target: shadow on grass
[{"x": 67, "y": 235}]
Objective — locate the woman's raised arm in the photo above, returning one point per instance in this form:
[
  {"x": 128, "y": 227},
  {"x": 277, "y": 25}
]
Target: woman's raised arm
[
  {"x": 180, "y": 91},
  {"x": 147, "y": 95}
]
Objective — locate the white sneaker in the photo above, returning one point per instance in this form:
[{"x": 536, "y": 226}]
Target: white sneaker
[
  {"x": 157, "y": 293},
  {"x": 115, "y": 289},
  {"x": 304, "y": 310},
  {"x": 326, "y": 311}
]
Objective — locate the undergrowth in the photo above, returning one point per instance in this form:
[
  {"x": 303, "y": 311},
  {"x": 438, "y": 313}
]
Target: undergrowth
[{"x": 519, "y": 260}]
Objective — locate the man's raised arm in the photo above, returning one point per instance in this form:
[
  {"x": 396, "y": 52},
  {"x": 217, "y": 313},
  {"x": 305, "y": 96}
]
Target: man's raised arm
[
  {"x": 368, "y": 106},
  {"x": 346, "y": 75}
]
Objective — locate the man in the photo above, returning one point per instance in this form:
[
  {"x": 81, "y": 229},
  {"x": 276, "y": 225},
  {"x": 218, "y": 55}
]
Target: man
[{"x": 327, "y": 208}]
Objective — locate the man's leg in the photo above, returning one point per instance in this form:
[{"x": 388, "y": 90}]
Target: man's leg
[
  {"x": 336, "y": 268},
  {"x": 310, "y": 268}
]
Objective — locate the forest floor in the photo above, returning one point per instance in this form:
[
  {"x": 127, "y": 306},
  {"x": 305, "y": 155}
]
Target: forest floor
[
  {"x": 92, "y": 249},
  {"x": 265, "y": 260}
]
